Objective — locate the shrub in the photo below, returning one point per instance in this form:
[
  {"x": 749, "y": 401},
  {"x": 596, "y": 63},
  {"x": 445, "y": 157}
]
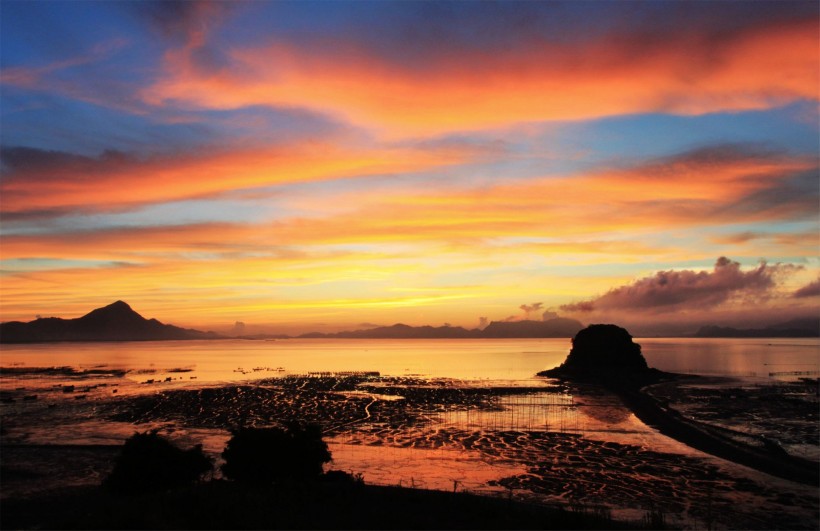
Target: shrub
[
  {"x": 268, "y": 455},
  {"x": 149, "y": 462}
]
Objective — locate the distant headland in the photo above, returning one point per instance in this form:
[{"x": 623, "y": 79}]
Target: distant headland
[{"x": 809, "y": 327}]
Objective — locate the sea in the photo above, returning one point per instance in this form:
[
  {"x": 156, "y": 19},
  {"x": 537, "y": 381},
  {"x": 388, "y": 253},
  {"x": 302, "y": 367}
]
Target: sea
[
  {"x": 226, "y": 361},
  {"x": 61, "y": 395}
]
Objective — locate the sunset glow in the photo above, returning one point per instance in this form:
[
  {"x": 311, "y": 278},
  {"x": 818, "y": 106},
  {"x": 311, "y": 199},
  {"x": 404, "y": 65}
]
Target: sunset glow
[{"x": 299, "y": 166}]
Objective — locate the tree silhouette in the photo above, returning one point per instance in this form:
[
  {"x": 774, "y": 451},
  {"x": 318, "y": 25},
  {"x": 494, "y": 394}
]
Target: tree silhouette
[
  {"x": 150, "y": 462},
  {"x": 268, "y": 455}
]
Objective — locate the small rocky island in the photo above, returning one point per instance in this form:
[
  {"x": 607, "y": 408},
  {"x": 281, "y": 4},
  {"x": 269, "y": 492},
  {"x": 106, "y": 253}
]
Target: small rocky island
[{"x": 606, "y": 354}]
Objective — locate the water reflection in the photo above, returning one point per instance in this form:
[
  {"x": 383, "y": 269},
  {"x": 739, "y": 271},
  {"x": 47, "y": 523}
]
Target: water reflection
[{"x": 530, "y": 412}]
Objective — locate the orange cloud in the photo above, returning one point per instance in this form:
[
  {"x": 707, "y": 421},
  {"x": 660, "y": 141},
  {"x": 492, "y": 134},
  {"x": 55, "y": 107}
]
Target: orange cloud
[
  {"x": 43, "y": 181},
  {"x": 129, "y": 244},
  {"x": 759, "y": 67},
  {"x": 356, "y": 257},
  {"x": 705, "y": 187}
]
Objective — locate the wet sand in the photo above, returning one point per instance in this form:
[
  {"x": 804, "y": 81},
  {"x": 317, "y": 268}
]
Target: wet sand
[
  {"x": 629, "y": 479},
  {"x": 762, "y": 453},
  {"x": 749, "y": 410}
]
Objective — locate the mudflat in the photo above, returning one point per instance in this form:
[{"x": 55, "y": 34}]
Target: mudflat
[{"x": 587, "y": 454}]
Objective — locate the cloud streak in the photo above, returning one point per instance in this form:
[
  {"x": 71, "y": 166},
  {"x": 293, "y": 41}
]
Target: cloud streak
[
  {"x": 42, "y": 181},
  {"x": 680, "y": 191},
  {"x": 699, "y": 188},
  {"x": 466, "y": 90}
]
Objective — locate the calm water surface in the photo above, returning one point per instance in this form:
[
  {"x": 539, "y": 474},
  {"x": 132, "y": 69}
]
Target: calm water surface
[{"x": 491, "y": 359}]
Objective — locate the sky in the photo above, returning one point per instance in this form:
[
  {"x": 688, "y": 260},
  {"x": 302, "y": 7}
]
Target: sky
[{"x": 294, "y": 166}]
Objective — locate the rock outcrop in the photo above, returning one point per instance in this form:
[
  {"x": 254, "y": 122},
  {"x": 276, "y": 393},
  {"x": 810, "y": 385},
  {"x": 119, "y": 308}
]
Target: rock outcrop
[{"x": 603, "y": 352}]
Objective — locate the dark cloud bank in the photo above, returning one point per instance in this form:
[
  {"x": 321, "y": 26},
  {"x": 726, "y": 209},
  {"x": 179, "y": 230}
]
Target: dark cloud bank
[
  {"x": 676, "y": 301},
  {"x": 672, "y": 290}
]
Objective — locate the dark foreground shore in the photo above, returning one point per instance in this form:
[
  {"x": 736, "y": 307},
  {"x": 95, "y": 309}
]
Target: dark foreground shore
[
  {"x": 227, "y": 505},
  {"x": 769, "y": 457}
]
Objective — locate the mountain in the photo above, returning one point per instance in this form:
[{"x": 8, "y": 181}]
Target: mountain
[
  {"x": 809, "y": 327},
  {"x": 810, "y": 324},
  {"x": 514, "y": 329},
  {"x": 115, "y": 322},
  {"x": 559, "y": 327},
  {"x": 118, "y": 322},
  {"x": 401, "y": 331}
]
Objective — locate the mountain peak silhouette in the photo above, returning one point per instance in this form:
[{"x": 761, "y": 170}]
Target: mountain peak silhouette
[
  {"x": 118, "y": 305},
  {"x": 119, "y": 309},
  {"x": 115, "y": 322}
]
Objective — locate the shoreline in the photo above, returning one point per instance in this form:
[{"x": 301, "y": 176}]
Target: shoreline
[{"x": 701, "y": 436}]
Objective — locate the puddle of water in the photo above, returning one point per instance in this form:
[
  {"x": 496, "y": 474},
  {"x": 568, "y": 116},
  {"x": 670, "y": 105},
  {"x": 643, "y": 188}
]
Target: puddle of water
[{"x": 438, "y": 469}]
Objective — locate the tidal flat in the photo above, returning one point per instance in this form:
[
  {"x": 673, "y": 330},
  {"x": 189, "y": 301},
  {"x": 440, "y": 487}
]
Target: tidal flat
[{"x": 530, "y": 440}]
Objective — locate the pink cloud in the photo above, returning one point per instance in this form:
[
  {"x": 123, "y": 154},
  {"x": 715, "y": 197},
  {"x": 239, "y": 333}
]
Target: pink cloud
[{"x": 669, "y": 291}]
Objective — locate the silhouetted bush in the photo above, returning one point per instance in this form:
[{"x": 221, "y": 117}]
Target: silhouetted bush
[
  {"x": 150, "y": 462},
  {"x": 268, "y": 455}
]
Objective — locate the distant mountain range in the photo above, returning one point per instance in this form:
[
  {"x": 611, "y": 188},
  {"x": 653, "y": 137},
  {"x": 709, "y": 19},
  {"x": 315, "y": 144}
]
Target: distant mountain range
[
  {"x": 513, "y": 329},
  {"x": 558, "y": 327},
  {"x": 795, "y": 328},
  {"x": 118, "y": 322},
  {"x": 115, "y": 322},
  {"x": 397, "y": 331}
]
